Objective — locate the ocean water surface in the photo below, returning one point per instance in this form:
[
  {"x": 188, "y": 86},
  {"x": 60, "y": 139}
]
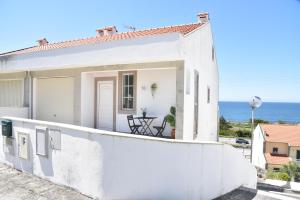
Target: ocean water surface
[{"x": 270, "y": 111}]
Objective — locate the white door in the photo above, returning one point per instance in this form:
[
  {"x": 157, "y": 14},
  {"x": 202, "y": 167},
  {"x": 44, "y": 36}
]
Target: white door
[
  {"x": 55, "y": 99},
  {"x": 105, "y": 103}
]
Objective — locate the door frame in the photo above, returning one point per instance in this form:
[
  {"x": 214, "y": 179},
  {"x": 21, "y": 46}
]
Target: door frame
[{"x": 114, "y": 80}]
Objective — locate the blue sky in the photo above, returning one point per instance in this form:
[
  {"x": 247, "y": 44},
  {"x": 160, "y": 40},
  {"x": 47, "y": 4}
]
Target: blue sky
[{"x": 257, "y": 42}]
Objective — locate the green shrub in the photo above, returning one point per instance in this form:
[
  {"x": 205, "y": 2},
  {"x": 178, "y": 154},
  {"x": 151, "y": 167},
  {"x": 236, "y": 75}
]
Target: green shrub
[
  {"x": 258, "y": 121},
  {"x": 224, "y": 125},
  {"x": 243, "y": 133},
  {"x": 228, "y": 133},
  {"x": 278, "y": 176}
]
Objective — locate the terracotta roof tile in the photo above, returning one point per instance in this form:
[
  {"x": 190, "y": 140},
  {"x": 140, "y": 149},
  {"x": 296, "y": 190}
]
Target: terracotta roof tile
[
  {"x": 282, "y": 133},
  {"x": 276, "y": 160},
  {"x": 183, "y": 29}
]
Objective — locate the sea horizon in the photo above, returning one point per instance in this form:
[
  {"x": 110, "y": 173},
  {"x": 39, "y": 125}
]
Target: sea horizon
[{"x": 240, "y": 111}]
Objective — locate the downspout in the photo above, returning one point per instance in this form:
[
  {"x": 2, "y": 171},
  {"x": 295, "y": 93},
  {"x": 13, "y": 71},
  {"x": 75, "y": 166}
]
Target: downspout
[{"x": 28, "y": 78}]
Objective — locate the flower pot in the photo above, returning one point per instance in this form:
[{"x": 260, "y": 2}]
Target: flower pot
[
  {"x": 173, "y": 133},
  {"x": 144, "y": 114}
]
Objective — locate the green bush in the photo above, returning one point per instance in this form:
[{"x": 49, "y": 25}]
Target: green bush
[
  {"x": 278, "y": 176},
  {"x": 224, "y": 125},
  {"x": 243, "y": 133},
  {"x": 228, "y": 133},
  {"x": 258, "y": 121}
]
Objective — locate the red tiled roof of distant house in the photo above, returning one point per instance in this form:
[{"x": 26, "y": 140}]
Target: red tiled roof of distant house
[
  {"x": 276, "y": 159},
  {"x": 282, "y": 133},
  {"x": 183, "y": 29}
]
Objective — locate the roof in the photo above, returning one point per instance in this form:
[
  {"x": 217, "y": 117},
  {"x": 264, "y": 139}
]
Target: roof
[
  {"x": 282, "y": 133},
  {"x": 276, "y": 159},
  {"x": 182, "y": 29}
]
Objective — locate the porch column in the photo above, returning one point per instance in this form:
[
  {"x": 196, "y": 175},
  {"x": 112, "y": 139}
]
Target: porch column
[{"x": 179, "y": 101}]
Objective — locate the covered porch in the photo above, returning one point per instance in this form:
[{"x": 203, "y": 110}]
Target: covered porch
[{"x": 110, "y": 97}]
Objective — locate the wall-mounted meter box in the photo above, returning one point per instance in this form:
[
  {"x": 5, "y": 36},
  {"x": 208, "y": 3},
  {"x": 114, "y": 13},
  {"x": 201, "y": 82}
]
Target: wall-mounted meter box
[{"x": 6, "y": 128}]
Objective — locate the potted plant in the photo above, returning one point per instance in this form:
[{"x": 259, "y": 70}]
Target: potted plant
[
  {"x": 171, "y": 119},
  {"x": 144, "y": 112}
]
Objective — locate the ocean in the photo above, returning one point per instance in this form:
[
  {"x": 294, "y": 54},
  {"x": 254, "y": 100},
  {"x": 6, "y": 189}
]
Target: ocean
[{"x": 272, "y": 112}]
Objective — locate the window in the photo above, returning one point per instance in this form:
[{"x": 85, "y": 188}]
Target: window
[
  {"x": 275, "y": 150},
  {"x": 298, "y": 155},
  {"x": 127, "y": 92},
  {"x": 11, "y": 93},
  {"x": 276, "y": 169},
  {"x": 208, "y": 94}
]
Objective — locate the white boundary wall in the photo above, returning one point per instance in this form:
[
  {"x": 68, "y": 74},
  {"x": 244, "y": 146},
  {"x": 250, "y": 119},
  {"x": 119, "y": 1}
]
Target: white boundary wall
[{"x": 111, "y": 165}]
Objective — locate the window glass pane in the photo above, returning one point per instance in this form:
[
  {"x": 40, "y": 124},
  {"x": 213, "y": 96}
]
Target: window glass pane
[
  {"x": 125, "y": 102},
  {"x": 125, "y": 91},
  {"x": 130, "y": 103},
  {"x": 130, "y": 91},
  {"x": 125, "y": 80},
  {"x": 130, "y": 77}
]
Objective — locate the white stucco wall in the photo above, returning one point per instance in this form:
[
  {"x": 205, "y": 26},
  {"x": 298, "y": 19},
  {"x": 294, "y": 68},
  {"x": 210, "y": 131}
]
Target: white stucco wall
[
  {"x": 157, "y": 105},
  {"x": 14, "y": 111},
  {"x": 258, "y": 158},
  {"x": 197, "y": 54},
  {"x": 122, "y": 166}
]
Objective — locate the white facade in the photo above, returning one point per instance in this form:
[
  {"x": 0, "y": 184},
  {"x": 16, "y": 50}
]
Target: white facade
[
  {"x": 258, "y": 157},
  {"x": 171, "y": 60},
  {"x": 109, "y": 165}
]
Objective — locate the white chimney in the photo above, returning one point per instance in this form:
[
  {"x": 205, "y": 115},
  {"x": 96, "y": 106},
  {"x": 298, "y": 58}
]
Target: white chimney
[
  {"x": 110, "y": 30},
  {"x": 203, "y": 17},
  {"x": 42, "y": 42}
]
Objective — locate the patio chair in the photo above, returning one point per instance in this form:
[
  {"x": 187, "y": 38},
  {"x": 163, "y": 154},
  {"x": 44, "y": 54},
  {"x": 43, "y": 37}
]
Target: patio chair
[
  {"x": 133, "y": 127},
  {"x": 160, "y": 129}
]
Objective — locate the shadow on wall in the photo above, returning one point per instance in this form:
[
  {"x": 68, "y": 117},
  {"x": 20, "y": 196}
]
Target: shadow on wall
[{"x": 46, "y": 163}]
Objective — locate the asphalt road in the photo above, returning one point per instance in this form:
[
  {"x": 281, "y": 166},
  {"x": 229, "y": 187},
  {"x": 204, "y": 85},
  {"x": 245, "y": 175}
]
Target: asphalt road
[{"x": 244, "y": 149}]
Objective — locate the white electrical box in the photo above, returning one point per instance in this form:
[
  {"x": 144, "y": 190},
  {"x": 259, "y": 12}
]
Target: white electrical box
[
  {"x": 23, "y": 146},
  {"x": 8, "y": 145},
  {"x": 41, "y": 141},
  {"x": 55, "y": 139}
]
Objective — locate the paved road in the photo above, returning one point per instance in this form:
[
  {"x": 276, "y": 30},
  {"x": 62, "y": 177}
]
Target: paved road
[
  {"x": 15, "y": 185},
  {"x": 241, "y": 194},
  {"x": 243, "y": 150}
]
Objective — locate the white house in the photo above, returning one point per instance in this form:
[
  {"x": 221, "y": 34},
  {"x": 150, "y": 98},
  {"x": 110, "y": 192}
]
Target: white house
[
  {"x": 275, "y": 145},
  {"x": 96, "y": 82},
  {"x": 91, "y": 85}
]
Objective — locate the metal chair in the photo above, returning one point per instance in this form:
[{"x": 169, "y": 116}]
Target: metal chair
[
  {"x": 160, "y": 129},
  {"x": 133, "y": 127}
]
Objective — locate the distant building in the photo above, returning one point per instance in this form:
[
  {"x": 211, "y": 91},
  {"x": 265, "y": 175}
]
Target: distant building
[{"x": 275, "y": 145}]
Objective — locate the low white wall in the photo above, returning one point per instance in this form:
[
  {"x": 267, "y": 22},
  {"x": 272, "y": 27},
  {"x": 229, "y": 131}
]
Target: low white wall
[
  {"x": 111, "y": 165},
  {"x": 21, "y": 112}
]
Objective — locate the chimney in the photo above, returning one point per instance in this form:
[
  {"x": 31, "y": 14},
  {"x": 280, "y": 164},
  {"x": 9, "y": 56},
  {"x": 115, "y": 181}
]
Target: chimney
[
  {"x": 110, "y": 30},
  {"x": 203, "y": 17},
  {"x": 42, "y": 42}
]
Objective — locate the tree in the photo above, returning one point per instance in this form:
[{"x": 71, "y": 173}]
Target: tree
[
  {"x": 258, "y": 121},
  {"x": 224, "y": 125},
  {"x": 292, "y": 169}
]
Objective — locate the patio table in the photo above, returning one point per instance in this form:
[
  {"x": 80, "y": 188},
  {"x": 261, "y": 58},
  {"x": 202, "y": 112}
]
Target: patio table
[{"x": 146, "y": 122}]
